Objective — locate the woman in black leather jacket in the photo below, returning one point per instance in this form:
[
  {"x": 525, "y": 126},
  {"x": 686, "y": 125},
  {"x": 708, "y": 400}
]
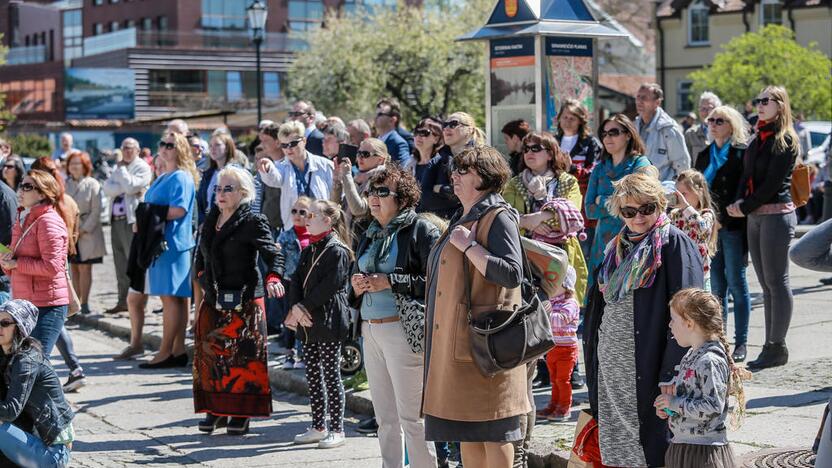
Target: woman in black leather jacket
[
  {"x": 388, "y": 290},
  {"x": 32, "y": 393}
]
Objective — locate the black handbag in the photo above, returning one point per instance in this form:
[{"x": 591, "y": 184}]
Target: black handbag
[
  {"x": 230, "y": 299},
  {"x": 502, "y": 340}
]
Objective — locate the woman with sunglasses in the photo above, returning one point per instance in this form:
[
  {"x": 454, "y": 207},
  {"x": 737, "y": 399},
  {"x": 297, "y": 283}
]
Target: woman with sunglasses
[
  {"x": 387, "y": 279},
  {"x": 13, "y": 172},
  {"x": 622, "y": 155},
  {"x": 543, "y": 178},
  {"x": 480, "y": 253},
  {"x": 630, "y": 355},
  {"x": 427, "y": 139},
  {"x": 349, "y": 189},
  {"x": 169, "y": 276},
  {"x": 231, "y": 378},
  {"x": 764, "y": 197},
  {"x": 721, "y": 164}
]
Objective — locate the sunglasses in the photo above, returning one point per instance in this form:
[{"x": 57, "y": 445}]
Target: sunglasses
[
  {"x": 6, "y": 323},
  {"x": 296, "y": 211},
  {"x": 297, "y": 114},
  {"x": 381, "y": 192},
  {"x": 291, "y": 144},
  {"x": 9, "y": 166},
  {"x": 646, "y": 210},
  {"x": 384, "y": 114},
  {"x": 26, "y": 187},
  {"x": 422, "y": 133},
  {"x": 224, "y": 189},
  {"x": 761, "y": 101},
  {"x": 719, "y": 121},
  {"x": 453, "y": 124},
  {"x": 364, "y": 154},
  {"x": 164, "y": 144},
  {"x": 533, "y": 148},
  {"x": 461, "y": 170},
  {"x": 613, "y": 132}
]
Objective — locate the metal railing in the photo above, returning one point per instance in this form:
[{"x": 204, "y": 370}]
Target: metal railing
[{"x": 26, "y": 55}]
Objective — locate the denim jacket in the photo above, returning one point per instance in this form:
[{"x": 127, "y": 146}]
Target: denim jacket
[
  {"x": 33, "y": 390},
  {"x": 289, "y": 255}
]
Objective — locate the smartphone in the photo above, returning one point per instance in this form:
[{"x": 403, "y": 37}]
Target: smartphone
[{"x": 347, "y": 151}]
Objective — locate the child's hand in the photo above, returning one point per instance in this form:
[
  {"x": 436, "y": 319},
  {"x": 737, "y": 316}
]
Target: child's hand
[
  {"x": 662, "y": 402},
  {"x": 661, "y": 414}
]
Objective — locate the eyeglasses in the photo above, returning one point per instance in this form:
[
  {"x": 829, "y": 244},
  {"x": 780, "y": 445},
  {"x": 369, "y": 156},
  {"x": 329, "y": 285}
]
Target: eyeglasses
[
  {"x": 296, "y": 211},
  {"x": 422, "y": 133},
  {"x": 461, "y": 170},
  {"x": 364, "y": 154},
  {"x": 761, "y": 101},
  {"x": 6, "y": 323},
  {"x": 26, "y": 187},
  {"x": 533, "y": 148},
  {"x": 224, "y": 189},
  {"x": 125, "y": 148},
  {"x": 646, "y": 210},
  {"x": 719, "y": 121},
  {"x": 297, "y": 114},
  {"x": 613, "y": 132},
  {"x": 453, "y": 124},
  {"x": 291, "y": 144},
  {"x": 165, "y": 144},
  {"x": 381, "y": 192}
]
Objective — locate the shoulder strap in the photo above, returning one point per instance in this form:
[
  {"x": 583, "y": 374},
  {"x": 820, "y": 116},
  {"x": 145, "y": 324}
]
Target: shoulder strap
[
  {"x": 22, "y": 236},
  {"x": 315, "y": 262}
]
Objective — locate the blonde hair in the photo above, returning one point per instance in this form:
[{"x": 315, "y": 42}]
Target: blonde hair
[
  {"x": 474, "y": 133},
  {"x": 336, "y": 216},
  {"x": 184, "y": 157},
  {"x": 784, "y": 121},
  {"x": 292, "y": 128},
  {"x": 650, "y": 170},
  {"x": 739, "y": 126},
  {"x": 303, "y": 199},
  {"x": 244, "y": 181},
  {"x": 640, "y": 187},
  {"x": 379, "y": 148},
  {"x": 695, "y": 181},
  {"x": 705, "y": 310}
]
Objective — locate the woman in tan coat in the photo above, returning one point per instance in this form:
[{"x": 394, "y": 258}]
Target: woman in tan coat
[
  {"x": 460, "y": 404},
  {"x": 86, "y": 191}
]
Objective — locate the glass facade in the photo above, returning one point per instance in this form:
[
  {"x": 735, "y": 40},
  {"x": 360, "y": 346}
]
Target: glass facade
[
  {"x": 73, "y": 35},
  {"x": 305, "y": 15},
  {"x": 224, "y": 14},
  {"x": 210, "y": 88},
  {"x": 684, "y": 98}
]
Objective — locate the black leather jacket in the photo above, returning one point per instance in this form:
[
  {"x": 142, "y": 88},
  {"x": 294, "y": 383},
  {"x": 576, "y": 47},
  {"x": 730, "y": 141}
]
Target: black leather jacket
[{"x": 34, "y": 392}]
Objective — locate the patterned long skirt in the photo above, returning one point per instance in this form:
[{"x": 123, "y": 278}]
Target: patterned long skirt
[{"x": 231, "y": 374}]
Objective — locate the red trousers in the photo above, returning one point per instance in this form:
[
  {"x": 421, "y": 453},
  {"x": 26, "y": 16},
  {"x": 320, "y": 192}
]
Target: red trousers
[{"x": 561, "y": 360}]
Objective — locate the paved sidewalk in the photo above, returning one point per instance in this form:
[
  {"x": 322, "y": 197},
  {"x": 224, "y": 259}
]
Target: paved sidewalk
[{"x": 784, "y": 404}]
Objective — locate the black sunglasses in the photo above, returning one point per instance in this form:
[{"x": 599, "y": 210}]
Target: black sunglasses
[
  {"x": 364, "y": 154},
  {"x": 646, "y": 210},
  {"x": 224, "y": 189},
  {"x": 297, "y": 114},
  {"x": 381, "y": 192},
  {"x": 719, "y": 121},
  {"x": 461, "y": 170},
  {"x": 9, "y": 166},
  {"x": 422, "y": 132},
  {"x": 533, "y": 148},
  {"x": 26, "y": 187},
  {"x": 6, "y": 323},
  {"x": 297, "y": 211},
  {"x": 613, "y": 132},
  {"x": 291, "y": 144},
  {"x": 764, "y": 101},
  {"x": 384, "y": 114},
  {"x": 164, "y": 144},
  {"x": 453, "y": 124}
]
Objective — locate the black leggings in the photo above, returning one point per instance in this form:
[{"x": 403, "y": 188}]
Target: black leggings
[{"x": 323, "y": 373}]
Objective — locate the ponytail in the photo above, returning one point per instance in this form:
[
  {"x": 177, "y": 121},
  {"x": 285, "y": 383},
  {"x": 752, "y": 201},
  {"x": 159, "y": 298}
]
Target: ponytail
[{"x": 339, "y": 223}]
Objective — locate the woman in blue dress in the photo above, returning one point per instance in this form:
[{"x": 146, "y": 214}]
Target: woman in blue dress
[
  {"x": 169, "y": 276},
  {"x": 621, "y": 155}
]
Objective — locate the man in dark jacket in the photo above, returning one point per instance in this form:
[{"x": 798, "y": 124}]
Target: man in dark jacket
[
  {"x": 388, "y": 116},
  {"x": 8, "y": 212}
]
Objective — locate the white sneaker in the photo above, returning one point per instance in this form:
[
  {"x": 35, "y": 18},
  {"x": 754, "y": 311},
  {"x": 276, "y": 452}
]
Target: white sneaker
[
  {"x": 334, "y": 439},
  {"x": 300, "y": 365},
  {"x": 311, "y": 436},
  {"x": 288, "y": 364}
]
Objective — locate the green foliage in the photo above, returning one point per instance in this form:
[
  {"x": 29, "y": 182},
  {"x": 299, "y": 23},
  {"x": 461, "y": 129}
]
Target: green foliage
[
  {"x": 29, "y": 144},
  {"x": 771, "y": 56},
  {"x": 5, "y": 115},
  {"x": 409, "y": 53}
]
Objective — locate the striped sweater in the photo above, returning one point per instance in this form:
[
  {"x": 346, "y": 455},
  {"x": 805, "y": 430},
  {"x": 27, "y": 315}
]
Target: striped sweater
[{"x": 564, "y": 316}]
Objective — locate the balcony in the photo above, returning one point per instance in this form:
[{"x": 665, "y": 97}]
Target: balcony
[{"x": 26, "y": 55}]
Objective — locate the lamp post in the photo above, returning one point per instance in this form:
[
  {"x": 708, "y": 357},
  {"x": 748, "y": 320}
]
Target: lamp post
[{"x": 257, "y": 13}]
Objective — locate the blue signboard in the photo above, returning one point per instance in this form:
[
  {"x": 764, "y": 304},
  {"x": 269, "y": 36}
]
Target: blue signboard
[
  {"x": 512, "y": 47},
  {"x": 569, "y": 46},
  {"x": 99, "y": 93}
]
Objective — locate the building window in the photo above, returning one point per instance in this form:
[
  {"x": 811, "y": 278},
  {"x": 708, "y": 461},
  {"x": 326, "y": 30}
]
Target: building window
[
  {"x": 305, "y": 15},
  {"x": 147, "y": 24},
  {"x": 684, "y": 103},
  {"x": 129, "y": 24},
  {"x": 98, "y": 2},
  {"x": 73, "y": 35},
  {"x": 271, "y": 85},
  {"x": 698, "y": 24},
  {"x": 233, "y": 86},
  {"x": 97, "y": 29},
  {"x": 114, "y": 26},
  {"x": 224, "y": 14},
  {"x": 771, "y": 12},
  {"x": 162, "y": 23}
]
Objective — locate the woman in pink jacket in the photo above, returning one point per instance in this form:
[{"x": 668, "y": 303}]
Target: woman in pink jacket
[{"x": 37, "y": 264}]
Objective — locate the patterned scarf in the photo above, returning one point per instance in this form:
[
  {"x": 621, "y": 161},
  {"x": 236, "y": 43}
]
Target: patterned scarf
[
  {"x": 537, "y": 185},
  {"x": 631, "y": 260},
  {"x": 381, "y": 238}
]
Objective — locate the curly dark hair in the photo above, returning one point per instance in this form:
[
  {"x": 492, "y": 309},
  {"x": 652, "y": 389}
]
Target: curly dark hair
[{"x": 407, "y": 190}]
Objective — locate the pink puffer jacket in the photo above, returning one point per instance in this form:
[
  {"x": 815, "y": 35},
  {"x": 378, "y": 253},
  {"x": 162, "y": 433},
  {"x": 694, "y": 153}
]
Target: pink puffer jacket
[{"x": 40, "y": 276}]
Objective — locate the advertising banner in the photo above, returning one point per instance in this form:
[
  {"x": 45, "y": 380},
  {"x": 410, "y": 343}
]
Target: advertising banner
[
  {"x": 99, "y": 93},
  {"x": 568, "y": 75},
  {"x": 512, "y": 84}
]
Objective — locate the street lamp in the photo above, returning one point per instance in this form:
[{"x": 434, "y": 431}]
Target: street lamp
[{"x": 257, "y": 13}]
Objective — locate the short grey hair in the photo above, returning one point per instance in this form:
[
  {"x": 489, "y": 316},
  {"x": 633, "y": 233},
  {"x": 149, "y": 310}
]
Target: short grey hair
[
  {"x": 339, "y": 131},
  {"x": 130, "y": 142},
  {"x": 177, "y": 126},
  {"x": 245, "y": 182},
  {"x": 361, "y": 126},
  {"x": 709, "y": 96}
]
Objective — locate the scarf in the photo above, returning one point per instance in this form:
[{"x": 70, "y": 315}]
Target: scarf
[
  {"x": 764, "y": 130},
  {"x": 718, "y": 158},
  {"x": 537, "y": 185},
  {"x": 631, "y": 260},
  {"x": 313, "y": 238},
  {"x": 381, "y": 238},
  {"x": 302, "y": 235}
]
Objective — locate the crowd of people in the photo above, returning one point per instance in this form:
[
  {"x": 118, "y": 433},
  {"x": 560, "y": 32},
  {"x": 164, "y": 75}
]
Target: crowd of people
[{"x": 329, "y": 230}]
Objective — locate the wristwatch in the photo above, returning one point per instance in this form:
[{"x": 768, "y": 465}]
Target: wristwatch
[{"x": 473, "y": 244}]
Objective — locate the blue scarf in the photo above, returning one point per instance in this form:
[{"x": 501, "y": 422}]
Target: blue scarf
[{"x": 718, "y": 158}]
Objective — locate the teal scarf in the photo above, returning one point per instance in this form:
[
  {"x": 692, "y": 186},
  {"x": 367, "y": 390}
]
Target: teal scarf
[
  {"x": 381, "y": 239},
  {"x": 718, "y": 158}
]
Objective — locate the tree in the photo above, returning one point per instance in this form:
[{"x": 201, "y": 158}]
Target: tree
[
  {"x": 29, "y": 144},
  {"x": 408, "y": 52},
  {"x": 771, "y": 56}
]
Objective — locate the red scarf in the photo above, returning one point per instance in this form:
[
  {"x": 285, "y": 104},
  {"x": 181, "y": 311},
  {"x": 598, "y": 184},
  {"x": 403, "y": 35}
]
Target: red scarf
[
  {"x": 764, "y": 130},
  {"x": 313, "y": 238},
  {"x": 303, "y": 236}
]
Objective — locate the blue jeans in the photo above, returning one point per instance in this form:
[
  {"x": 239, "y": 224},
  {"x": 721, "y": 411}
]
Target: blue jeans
[
  {"x": 50, "y": 323},
  {"x": 25, "y": 449},
  {"x": 728, "y": 276},
  {"x": 67, "y": 350}
]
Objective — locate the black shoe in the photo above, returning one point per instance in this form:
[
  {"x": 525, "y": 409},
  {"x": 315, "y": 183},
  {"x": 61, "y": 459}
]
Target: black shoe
[
  {"x": 577, "y": 380},
  {"x": 367, "y": 426},
  {"x": 169, "y": 363},
  {"x": 158, "y": 311},
  {"x": 75, "y": 381},
  {"x": 739, "y": 353},
  {"x": 762, "y": 356},
  {"x": 237, "y": 426},
  {"x": 826, "y": 281},
  {"x": 212, "y": 423},
  {"x": 777, "y": 355}
]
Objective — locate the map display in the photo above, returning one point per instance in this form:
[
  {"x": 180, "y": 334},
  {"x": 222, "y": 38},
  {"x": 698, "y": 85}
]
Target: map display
[{"x": 568, "y": 75}]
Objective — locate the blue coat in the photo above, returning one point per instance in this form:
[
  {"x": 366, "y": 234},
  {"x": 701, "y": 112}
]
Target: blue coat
[
  {"x": 397, "y": 147},
  {"x": 656, "y": 351},
  {"x": 407, "y": 137},
  {"x": 315, "y": 142}
]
